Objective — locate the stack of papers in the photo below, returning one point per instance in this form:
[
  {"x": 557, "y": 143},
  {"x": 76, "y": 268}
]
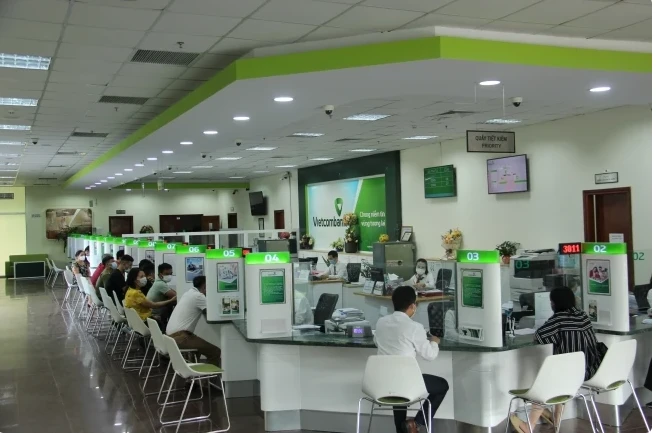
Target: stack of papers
[
  {"x": 305, "y": 327},
  {"x": 526, "y": 331}
]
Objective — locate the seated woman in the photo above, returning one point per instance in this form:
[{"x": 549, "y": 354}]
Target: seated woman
[
  {"x": 80, "y": 265},
  {"x": 422, "y": 279},
  {"x": 569, "y": 330},
  {"x": 134, "y": 297}
]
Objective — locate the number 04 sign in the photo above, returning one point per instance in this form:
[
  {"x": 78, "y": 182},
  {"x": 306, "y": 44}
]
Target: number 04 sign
[{"x": 268, "y": 258}]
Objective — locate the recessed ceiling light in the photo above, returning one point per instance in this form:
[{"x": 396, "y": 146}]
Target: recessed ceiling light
[
  {"x": 321, "y": 159},
  {"x": 262, "y": 148},
  {"x": 103, "y": 181},
  {"x": 138, "y": 165},
  {"x": 229, "y": 158},
  {"x": 16, "y": 127},
  {"x": 502, "y": 121},
  {"x": 87, "y": 187},
  {"x": 118, "y": 174},
  {"x": 12, "y": 143},
  {"x": 8, "y": 169},
  {"x": 92, "y": 186},
  {"x": 261, "y": 171},
  {"x": 362, "y": 150},
  {"x": 10, "y": 155},
  {"x": 4, "y": 164},
  {"x": 152, "y": 159},
  {"x": 210, "y": 132},
  {"x": 202, "y": 166},
  {"x": 19, "y": 102},
  {"x": 285, "y": 166},
  {"x": 166, "y": 189},
  {"x": 307, "y": 134},
  {"x": 421, "y": 137},
  {"x": 168, "y": 152},
  {"x": 6, "y": 177},
  {"x": 127, "y": 169},
  {"x": 167, "y": 177},
  {"x": 236, "y": 177},
  {"x": 369, "y": 117},
  {"x": 189, "y": 143},
  {"x": 21, "y": 61},
  {"x": 182, "y": 172},
  {"x": 283, "y": 99},
  {"x": 600, "y": 89},
  {"x": 128, "y": 190},
  {"x": 111, "y": 177},
  {"x": 241, "y": 118},
  {"x": 98, "y": 183},
  {"x": 490, "y": 83}
]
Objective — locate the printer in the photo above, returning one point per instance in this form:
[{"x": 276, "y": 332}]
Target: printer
[
  {"x": 343, "y": 318},
  {"x": 528, "y": 268}
]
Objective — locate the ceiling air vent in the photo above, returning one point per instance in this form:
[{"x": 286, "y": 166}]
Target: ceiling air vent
[
  {"x": 341, "y": 140},
  {"x": 57, "y": 166},
  {"x": 47, "y": 178},
  {"x": 67, "y": 153},
  {"x": 42, "y": 184},
  {"x": 132, "y": 100},
  {"x": 454, "y": 112},
  {"x": 6, "y": 196},
  {"x": 90, "y": 134},
  {"x": 164, "y": 57}
]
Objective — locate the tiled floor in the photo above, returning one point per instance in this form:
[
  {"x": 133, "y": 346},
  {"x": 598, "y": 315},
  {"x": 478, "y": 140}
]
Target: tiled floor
[{"x": 55, "y": 378}]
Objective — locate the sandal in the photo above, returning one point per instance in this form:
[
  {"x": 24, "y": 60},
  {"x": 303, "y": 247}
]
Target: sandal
[{"x": 518, "y": 424}]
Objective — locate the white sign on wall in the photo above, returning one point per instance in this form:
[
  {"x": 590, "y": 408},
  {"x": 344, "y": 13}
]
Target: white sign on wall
[{"x": 491, "y": 141}]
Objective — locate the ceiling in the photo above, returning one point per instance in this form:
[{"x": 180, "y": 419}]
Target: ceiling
[{"x": 93, "y": 42}]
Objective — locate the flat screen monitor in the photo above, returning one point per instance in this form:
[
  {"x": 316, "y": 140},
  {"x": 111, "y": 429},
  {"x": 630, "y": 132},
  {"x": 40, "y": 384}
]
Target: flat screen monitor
[
  {"x": 258, "y": 203},
  {"x": 507, "y": 175},
  {"x": 440, "y": 181}
]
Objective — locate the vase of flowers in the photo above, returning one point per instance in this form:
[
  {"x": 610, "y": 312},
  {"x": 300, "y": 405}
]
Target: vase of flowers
[
  {"x": 506, "y": 250},
  {"x": 307, "y": 242},
  {"x": 338, "y": 245},
  {"x": 351, "y": 236},
  {"x": 451, "y": 242}
]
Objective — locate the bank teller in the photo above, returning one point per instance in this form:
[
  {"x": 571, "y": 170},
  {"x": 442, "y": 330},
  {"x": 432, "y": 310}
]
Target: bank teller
[
  {"x": 422, "y": 279},
  {"x": 336, "y": 269}
]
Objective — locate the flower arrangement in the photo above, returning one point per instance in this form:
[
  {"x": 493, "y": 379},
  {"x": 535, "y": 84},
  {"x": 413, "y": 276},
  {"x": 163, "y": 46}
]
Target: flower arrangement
[
  {"x": 338, "y": 245},
  {"x": 451, "y": 242},
  {"x": 350, "y": 219},
  {"x": 351, "y": 236},
  {"x": 307, "y": 242},
  {"x": 147, "y": 229},
  {"x": 383, "y": 238}
]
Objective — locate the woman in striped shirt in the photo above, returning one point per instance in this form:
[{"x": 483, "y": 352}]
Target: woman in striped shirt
[{"x": 569, "y": 330}]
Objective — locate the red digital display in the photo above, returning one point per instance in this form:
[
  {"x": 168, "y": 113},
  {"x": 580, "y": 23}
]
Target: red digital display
[{"x": 569, "y": 248}]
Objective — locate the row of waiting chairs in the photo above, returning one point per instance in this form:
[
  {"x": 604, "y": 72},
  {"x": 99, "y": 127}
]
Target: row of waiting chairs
[{"x": 108, "y": 314}]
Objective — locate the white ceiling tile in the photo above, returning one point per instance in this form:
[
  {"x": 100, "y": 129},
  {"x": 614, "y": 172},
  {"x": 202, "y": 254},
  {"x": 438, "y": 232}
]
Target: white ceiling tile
[
  {"x": 17, "y": 93},
  {"x": 575, "y": 32},
  {"x": 408, "y": 5},
  {"x": 75, "y": 88},
  {"x": 485, "y": 8},
  {"x": 447, "y": 21},
  {"x": 17, "y": 76},
  {"x": 169, "y": 42},
  {"x": 145, "y": 82},
  {"x": 11, "y": 28},
  {"x": 157, "y": 102},
  {"x": 636, "y": 32},
  {"x": 172, "y": 94},
  {"x": 299, "y": 11},
  {"x": 131, "y": 91},
  {"x": 515, "y": 27},
  {"x": 556, "y": 11},
  {"x": 86, "y": 78},
  {"x": 195, "y": 24},
  {"x": 224, "y": 8},
  {"x": 112, "y": 17},
  {"x": 270, "y": 31},
  {"x": 35, "y": 10},
  {"x": 184, "y": 85},
  {"x": 235, "y": 46},
  {"x": 323, "y": 33},
  {"x": 140, "y": 4},
  {"x": 83, "y": 66},
  {"x": 199, "y": 74},
  {"x": 151, "y": 70},
  {"x": 94, "y": 52},
  {"x": 348, "y": 2},
  {"x": 100, "y": 36},
  {"x": 613, "y": 17},
  {"x": 213, "y": 61},
  {"x": 374, "y": 19},
  {"x": 27, "y": 46}
]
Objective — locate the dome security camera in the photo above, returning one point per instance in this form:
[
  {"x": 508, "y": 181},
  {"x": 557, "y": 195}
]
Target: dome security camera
[
  {"x": 329, "y": 109},
  {"x": 517, "y": 101}
]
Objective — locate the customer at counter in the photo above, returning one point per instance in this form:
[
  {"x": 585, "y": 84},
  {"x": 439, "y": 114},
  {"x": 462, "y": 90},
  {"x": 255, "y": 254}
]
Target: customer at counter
[
  {"x": 108, "y": 265},
  {"x": 100, "y": 269},
  {"x": 116, "y": 281},
  {"x": 336, "y": 269},
  {"x": 80, "y": 265},
  {"x": 569, "y": 330},
  {"x": 161, "y": 291},
  {"x": 134, "y": 297},
  {"x": 422, "y": 279},
  {"x": 397, "y": 334}
]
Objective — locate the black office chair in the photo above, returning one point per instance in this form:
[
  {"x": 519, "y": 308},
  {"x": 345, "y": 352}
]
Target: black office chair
[
  {"x": 325, "y": 308},
  {"x": 443, "y": 279},
  {"x": 353, "y": 272},
  {"x": 436, "y": 313},
  {"x": 640, "y": 292}
]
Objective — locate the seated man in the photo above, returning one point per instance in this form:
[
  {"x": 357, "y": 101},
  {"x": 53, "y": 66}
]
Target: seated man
[
  {"x": 336, "y": 270},
  {"x": 397, "y": 334},
  {"x": 108, "y": 264},
  {"x": 161, "y": 291},
  {"x": 116, "y": 281},
  {"x": 100, "y": 269},
  {"x": 184, "y": 319}
]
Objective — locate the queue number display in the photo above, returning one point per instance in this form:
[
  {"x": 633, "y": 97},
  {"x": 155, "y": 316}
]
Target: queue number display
[{"x": 570, "y": 248}]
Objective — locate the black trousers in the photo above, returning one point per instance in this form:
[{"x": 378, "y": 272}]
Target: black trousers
[
  {"x": 437, "y": 389},
  {"x": 648, "y": 380}
]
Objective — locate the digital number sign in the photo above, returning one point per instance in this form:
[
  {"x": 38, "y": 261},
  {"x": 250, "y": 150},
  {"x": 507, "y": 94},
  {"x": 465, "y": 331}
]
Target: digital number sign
[{"x": 570, "y": 248}]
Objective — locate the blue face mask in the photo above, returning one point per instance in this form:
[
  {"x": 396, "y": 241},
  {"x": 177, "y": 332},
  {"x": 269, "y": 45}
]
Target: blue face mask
[
  {"x": 332, "y": 261},
  {"x": 114, "y": 265}
]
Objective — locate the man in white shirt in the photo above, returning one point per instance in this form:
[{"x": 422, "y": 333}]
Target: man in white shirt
[
  {"x": 184, "y": 319},
  {"x": 336, "y": 270},
  {"x": 398, "y": 334},
  {"x": 303, "y": 314}
]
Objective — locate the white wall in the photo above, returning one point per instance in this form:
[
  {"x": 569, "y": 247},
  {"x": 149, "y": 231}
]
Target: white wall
[
  {"x": 563, "y": 157},
  {"x": 277, "y": 192}
]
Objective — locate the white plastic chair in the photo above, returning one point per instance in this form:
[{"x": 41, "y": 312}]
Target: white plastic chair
[
  {"x": 119, "y": 321},
  {"x": 138, "y": 329},
  {"x": 71, "y": 287},
  {"x": 557, "y": 382},
  {"x": 613, "y": 373},
  {"x": 98, "y": 309},
  {"x": 195, "y": 372},
  {"x": 405, "y": 387},
  {"x": 119, "y": 305},
  {"x": 51, "y": 270}
]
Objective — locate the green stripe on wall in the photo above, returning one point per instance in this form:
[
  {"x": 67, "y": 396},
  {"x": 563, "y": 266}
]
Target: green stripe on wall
[{"x": 234, "y": 185}]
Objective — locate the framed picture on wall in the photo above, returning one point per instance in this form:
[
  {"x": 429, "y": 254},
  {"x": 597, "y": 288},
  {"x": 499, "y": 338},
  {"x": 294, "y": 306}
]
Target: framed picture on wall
[{"x": 260, "y": 226}]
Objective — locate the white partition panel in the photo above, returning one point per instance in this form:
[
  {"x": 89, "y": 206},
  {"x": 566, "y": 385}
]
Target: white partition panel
[
  {"x": 189, "y": 263},
  {"x": 225, "y": 284}
]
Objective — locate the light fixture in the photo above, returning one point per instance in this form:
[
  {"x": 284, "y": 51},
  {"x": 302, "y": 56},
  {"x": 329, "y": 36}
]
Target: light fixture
[
  {"x": 98, "y": 183},
  {"x": 5, "y": 164},
  {"x": 87, "y": 187},
  {"x": 202, "y": 166},
  {"x": 261, "y": 171},
  {"x": 229, "y": 158},
  {"x": 6, "y": 170},
  {"x": 127, "y": 169},
  {"x": 10, "y": 155},
  {"x": 12, "y": 143},
  {"x": 93, "y": 186},
  {"x": 111, "y": 177},
  {"x": 128, "y": 190},
  {"x": 600, "y": 89},
  {"x": 262, "y": 148},
  {"x": 19, "y": 102},
  {"x": 210, "y": 132},
  {"x": 368, "y": 117},
  {"x": 167, "y": 152},
  {"x": 283, "y": 99},
  {"x": 151, "y": 159},
  {"x": 138, "y": 165},
  {"x": 16, "y": 127},
  {"x": 321, "y": 159},
  {"x": 490, "y": 83},
  {"x": 236, "y": 177},
  {"x": 21, "y": 61},
  {"x": 103, "y": 181},
  {"x": 362, "y": 150},
  {"x": 189, "y": 143},
  {"x": 7, "y": 177},
  {"x": 421, "y": 137},
  {"x": 182, "y": 172},
  {"x": 502, "y": 121},
  {"x": 307, "y": 134},
  {"x": 241, "y": 118},
  {"x": 285, "y": 166},
  {"x": 118, "y": 174},
  {"x": 167, "y": 177}
]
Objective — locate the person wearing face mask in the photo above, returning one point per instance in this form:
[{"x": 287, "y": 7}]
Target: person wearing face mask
[
  {"x": 162, "y": 291},
  {"x": 99, "y": 270},
  {"x": 115, "y": 284},
  {"x": 108, "y": 265},
  {"x": 422, "y": 279},
  {"x": 80, "y": 266},
  {"x": 134, "y": 297},
  {"x": 398, "y": 335},
  {"x": 336, "y": 269}
]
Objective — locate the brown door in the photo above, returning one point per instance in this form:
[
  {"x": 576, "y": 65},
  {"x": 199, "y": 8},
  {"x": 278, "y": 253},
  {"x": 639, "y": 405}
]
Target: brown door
[
  {"x": 278, "y": 219},
  {"x": 606, "y": 212},
  {"x": 233, "y": 240},
  {"x": 232, "y": 220},
  {"x": 180, "y": 223},
  {"x": 210, "y": 223},
  {"x": 121, "y": 225}
]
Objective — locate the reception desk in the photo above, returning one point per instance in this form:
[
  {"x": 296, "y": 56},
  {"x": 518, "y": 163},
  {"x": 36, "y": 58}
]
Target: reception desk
[{"x": 376, "y": 306}]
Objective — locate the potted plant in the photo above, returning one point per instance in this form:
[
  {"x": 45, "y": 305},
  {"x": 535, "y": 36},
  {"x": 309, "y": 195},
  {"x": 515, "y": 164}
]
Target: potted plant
[
  {"x": 383, "y": 238},
  {"x": 351, "y": 238},
  {"x": 506, "y": 250},
  {"x": 307, "y": 242},
  {"x": 147, "y": 229},
  {"x": 338, "y": 245},
  {"x": 451, "y": 242}
]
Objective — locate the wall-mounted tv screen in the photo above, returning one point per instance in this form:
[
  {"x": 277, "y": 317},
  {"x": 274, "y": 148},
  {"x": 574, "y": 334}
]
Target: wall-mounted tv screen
[
  {"x": 508, "y": 174},
  {"x": 440, "y": 181},
  {"x": 258, "y": 203}
]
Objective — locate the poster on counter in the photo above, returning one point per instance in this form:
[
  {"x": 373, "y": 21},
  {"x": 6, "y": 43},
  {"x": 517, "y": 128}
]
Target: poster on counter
[
  {"x": 194, "y": 267},
  {"x": 230, "y": 306},
  {"x": 593, "y": 312},
  {"x": 598, "y": 274},
  {"x": 472, "y": 288},
  {"x": 272, "y": 286},
  {"x": 170, "y": 259},
  {"x": 150, "y": 255},
  {"x": 227, "y": 276}
]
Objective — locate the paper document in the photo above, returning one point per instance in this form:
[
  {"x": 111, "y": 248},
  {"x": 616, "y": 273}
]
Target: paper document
[
  {"x": 305, "y": 327},
  {"x": 647, "y": 321},
  {"x": 434, "y": 291},
  {"x": 525, "y": 331}
]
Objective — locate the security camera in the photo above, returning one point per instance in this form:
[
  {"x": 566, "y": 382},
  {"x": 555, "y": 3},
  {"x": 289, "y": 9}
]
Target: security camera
[
  {"x": 238, "y": 143},
  {"x": 203, "y": 155},
  {"x": 169, "y": 167},
  {"x": 329, "y": 110},
  {"x": 110, "y": 189},
  {"x": 35, "y": 141},
  {"x": 517, "y": 101}
]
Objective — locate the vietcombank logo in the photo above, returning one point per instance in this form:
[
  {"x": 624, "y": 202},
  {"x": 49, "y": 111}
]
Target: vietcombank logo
[{"x": 331, "y": 222}]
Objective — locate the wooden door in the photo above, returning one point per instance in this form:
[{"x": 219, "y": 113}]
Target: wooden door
[
  {"x": 180, "y": 223},
  {"x": 606, "y": 212},
  {"x": 121, "y": 225},
  {"x": 210, "y": 223},
  {"x": 233, "y": 240},
  {"x": 232, "y": 221},
  {"x": 279, "y": 219}
]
